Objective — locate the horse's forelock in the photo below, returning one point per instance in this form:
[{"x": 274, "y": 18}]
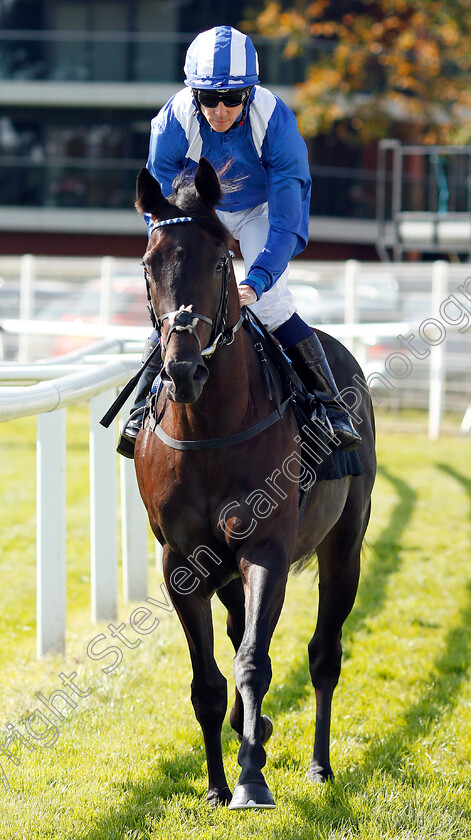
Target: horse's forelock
[{"x": 184, "y": 197}]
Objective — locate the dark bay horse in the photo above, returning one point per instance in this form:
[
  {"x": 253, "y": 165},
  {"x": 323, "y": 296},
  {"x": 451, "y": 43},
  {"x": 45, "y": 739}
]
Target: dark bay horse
[{"x": 219, "y": 473}]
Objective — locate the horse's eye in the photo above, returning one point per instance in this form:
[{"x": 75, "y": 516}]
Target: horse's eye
[{"x": 220, "y": 265}]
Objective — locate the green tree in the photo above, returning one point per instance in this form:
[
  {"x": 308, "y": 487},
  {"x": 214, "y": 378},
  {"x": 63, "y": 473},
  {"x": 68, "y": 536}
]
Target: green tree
[{"x": 398, "y": 68}]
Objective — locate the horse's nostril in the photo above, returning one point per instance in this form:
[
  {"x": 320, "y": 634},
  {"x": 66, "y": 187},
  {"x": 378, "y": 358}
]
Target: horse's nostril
[
  {"x": 201, "y": 374},
  {"x": 179, "y": 371},
  {"x": 184, "y": 379}
]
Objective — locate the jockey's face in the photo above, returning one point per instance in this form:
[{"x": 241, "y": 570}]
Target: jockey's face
[{"x": 221, "y": 117}]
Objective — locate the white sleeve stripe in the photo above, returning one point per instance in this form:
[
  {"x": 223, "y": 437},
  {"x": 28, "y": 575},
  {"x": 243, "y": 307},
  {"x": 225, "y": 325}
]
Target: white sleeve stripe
[
  {"x": 261, "y": 109},
  {"x": 195, "y": 143},
  {"x": 184, "y": 111}
]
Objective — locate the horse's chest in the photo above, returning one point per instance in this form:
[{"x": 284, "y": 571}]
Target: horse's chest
[
  {"x": 187, "y": 505},
  {"x": 216, "y": 498},
  {"x": 200, "y": 501}
]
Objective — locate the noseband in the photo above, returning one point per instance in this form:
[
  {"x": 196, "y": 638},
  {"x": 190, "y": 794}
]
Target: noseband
[{"x": 185, "y": 320}]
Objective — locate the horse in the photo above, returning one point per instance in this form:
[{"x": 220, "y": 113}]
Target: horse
[{"x": 218, "y": 469}]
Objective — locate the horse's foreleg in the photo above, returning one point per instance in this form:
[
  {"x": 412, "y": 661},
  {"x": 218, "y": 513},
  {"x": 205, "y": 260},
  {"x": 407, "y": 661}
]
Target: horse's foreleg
[
  {"x": 208, "y": 687},
  {"x": 339, "y": 568},
  {"x": 232, "y": 596},
  {"x": 264, "y": 574}
]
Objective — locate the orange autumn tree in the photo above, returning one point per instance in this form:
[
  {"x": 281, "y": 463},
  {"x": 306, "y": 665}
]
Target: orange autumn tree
[{"x": 385, "y": 68}]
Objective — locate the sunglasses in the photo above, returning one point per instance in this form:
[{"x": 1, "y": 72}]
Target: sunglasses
[{"x": 229, "y": 98}]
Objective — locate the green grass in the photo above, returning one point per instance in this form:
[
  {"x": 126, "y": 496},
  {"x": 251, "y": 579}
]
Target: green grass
[{"x": 128, "y": 762}]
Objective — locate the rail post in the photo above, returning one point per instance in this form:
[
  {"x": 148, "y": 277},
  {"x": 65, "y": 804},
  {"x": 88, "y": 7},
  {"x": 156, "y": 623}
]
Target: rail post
[
  {"x": 107, "y": 269},
  {"x": 27, "y": 276},
  {"x": 50, "y": 533},
  {"x": 103, "y": 511},
  {"x": 437, "y": 354},
  {"x": 134, "y": 529},
  {"x": 351, "y": 315}
]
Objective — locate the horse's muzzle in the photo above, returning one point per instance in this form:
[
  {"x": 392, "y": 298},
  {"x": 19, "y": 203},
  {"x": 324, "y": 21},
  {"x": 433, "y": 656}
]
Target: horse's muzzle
[{"x": 184, "y": 379}]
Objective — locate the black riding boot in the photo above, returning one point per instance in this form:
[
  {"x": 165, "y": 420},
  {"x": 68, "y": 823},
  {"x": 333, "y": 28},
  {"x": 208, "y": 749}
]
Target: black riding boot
[
  {"x": 310, "y": 363},
  {"x": 133, "y": 424}
]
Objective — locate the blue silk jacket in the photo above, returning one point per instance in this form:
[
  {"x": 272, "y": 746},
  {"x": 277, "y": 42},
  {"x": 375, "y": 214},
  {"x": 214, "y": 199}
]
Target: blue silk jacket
[{"x": 267, "y": 152}]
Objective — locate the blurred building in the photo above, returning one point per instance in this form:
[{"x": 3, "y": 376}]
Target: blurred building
[{"x": 80, "y": 81}]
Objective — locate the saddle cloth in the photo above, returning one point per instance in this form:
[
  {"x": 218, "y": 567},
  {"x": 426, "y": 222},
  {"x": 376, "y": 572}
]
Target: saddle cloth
[{"x": 323, "y": 461}]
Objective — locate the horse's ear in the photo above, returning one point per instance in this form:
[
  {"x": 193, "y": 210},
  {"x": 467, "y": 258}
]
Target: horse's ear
[
  {"x": 208, "y": 188},
  {"x": 149, "y": 197}
]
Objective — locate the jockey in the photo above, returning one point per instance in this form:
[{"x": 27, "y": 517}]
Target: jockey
[{"x": 225, "y": 115}]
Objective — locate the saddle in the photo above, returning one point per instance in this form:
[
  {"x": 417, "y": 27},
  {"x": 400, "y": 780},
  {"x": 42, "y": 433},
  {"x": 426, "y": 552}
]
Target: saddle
[{"x": 321, "y": 460}]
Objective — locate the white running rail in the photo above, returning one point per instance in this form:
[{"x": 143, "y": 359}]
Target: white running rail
[{"x": 95, "y": 379}]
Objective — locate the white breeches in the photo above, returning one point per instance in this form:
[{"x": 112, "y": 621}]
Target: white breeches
[{"x": 250, "y": 228}]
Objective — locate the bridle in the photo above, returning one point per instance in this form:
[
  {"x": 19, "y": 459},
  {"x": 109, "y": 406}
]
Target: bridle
[{"x": 185, "y": 320}]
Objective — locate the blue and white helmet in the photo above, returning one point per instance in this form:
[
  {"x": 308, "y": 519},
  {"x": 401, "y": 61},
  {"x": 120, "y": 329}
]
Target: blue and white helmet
[{"x": 221, "y": 58}]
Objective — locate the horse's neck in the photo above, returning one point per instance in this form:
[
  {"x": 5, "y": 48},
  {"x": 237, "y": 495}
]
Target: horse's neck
[
  {"x": 229, "y": 379},
  {"x": 225, "y": 400}
]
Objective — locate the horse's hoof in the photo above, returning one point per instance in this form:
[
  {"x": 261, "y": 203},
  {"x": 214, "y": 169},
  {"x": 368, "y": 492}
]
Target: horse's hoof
[
  {"x": 214, "y": 798},
  {"x": 317, "y": 775},
  {"x": 251, "y": 795}
]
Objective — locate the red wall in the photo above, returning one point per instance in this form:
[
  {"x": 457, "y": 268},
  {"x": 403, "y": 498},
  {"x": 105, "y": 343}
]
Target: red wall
[{"x": 97, "y": 245}]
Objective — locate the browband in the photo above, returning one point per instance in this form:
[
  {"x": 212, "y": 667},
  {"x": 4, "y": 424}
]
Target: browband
[{"x": 176, "y": 221}]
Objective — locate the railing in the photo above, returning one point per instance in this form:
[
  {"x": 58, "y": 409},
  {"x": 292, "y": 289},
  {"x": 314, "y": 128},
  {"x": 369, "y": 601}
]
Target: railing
[
  {"x": 92, "y": 377},
  {"x": 430, "y": 206},
  {"x": 326, "y": 294}
]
